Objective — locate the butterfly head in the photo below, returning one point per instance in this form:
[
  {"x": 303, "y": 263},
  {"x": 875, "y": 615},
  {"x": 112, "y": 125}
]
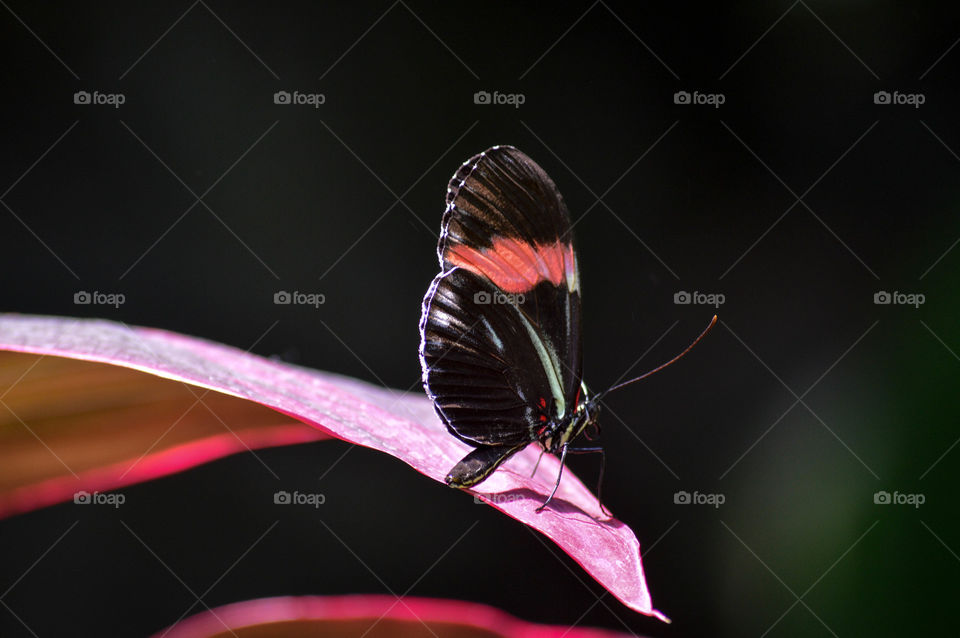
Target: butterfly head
[{"x": 585, "y": 418}]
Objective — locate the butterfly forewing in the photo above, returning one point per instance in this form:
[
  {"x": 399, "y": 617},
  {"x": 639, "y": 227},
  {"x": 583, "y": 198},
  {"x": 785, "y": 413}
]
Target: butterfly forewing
[
  {"x": 500, "y": 330},
  {"x": 501, "y": 193}
]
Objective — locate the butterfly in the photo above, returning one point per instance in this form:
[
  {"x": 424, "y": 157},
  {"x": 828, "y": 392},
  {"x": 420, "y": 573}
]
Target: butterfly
[{"x": 500, "y": 329}]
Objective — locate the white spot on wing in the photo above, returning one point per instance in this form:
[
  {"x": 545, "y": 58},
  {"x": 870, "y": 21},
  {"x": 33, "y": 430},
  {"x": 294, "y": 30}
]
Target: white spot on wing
[
  {"x": 550, "y": 362},
  {"x": 493, "y": 335}
]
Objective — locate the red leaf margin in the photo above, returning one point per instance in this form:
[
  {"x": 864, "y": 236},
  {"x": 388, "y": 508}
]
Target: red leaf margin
[
  {"x": 429, "y": 611},
  {"x": 151, "y": 466},
  {"x": 402, "y": 425}
]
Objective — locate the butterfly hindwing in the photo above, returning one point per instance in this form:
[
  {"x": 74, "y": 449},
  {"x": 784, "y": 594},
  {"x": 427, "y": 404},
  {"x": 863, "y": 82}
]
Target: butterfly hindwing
[
  {"x": 487, "y": 364},
  {"x": 500, "y": 330}
]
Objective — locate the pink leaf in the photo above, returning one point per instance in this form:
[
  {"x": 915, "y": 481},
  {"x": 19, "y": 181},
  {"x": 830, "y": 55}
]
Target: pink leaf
[
  {"x": 69, "y": 426},
  {"x": 402, "y": 425},
  {"x": 318, "y": 616}
]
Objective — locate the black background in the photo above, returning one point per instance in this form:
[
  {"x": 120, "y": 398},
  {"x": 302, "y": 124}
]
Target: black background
[{"x": 692, "y": 198}]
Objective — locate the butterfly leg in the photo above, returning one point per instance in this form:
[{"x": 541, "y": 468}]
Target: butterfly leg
[
  {"x": 563, "y": 457},
  {"x": 603, "y": 463},
  {"x": 534, "y": 472}
]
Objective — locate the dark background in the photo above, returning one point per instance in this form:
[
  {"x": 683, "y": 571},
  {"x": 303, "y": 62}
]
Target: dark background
[{"x": 692, "y": 198}]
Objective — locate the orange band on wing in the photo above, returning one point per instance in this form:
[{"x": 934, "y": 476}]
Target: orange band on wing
[{"x": 514, "y": 265}]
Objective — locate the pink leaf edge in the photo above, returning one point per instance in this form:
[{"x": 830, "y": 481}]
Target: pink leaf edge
[
  {"x": 266, "y": 611},
  {"x": 403, "y": 425},
  {"x": 151, "y": 466}
]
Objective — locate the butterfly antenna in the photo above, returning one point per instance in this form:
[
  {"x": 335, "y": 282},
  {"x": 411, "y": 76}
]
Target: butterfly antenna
[{"x": 661, "y": 367}]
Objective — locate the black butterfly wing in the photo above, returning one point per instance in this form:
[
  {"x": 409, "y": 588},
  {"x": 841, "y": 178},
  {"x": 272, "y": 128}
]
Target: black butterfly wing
[{"x": 500, "y": 330}]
